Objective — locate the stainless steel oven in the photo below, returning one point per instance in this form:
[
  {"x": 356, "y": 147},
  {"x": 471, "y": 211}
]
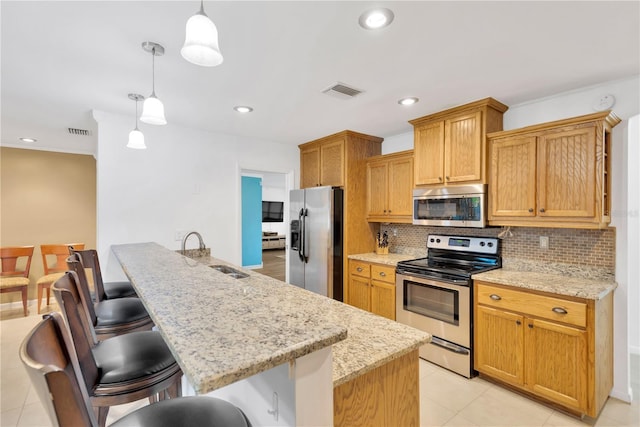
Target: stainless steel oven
[
  {"x": 434, "y": 294},
  {"x": 451, "y": 206}
]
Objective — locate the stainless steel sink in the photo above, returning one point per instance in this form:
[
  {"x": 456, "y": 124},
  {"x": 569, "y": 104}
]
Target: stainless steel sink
[{"x": 232, "y": 272}]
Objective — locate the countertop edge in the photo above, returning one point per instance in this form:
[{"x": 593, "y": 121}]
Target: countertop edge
[{"x": 590, "y": 289}]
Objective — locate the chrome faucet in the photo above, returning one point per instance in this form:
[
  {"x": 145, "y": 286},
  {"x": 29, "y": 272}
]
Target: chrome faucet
[{"x": 184, "y": 241}]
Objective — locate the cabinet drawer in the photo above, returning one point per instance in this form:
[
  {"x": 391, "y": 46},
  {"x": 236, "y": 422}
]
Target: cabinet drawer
[
  {"x": 383, "y": 273},
  {"x": 555, "y": 309},
  {"x": 360, "y": 268}
]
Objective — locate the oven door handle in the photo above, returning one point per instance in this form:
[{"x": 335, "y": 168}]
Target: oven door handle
[
  {"x": 457, "y": 282},
  {"x": 449, "y": 346}
]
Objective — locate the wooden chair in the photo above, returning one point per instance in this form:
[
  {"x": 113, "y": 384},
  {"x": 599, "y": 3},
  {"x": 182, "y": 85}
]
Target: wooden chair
[
  {"x": 52, "y": 363},
  {"x": 121, "y": 369},
  {"x": 103, "y": 290},
  {"x": 54, "y": 263},
  {"x": 12, "y": 277},
  {"x": 109, "y": 318}
]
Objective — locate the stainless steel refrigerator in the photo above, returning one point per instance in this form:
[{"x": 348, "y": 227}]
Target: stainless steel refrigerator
[{"x": 315, "y": 231}]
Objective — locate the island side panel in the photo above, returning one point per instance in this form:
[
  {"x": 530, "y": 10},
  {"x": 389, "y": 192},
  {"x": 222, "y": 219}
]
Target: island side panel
[{"x": 388, "y": 395}]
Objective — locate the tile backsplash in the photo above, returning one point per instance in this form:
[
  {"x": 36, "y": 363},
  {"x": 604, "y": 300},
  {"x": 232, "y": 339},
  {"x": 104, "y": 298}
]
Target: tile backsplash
[{"x": 589, "y": 248}]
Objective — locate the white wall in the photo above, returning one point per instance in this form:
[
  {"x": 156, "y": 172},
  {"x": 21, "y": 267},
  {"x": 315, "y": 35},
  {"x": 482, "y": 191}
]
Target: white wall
[
  {"x": 185, "y": 180},
  {"x": 625, "y": 210}
]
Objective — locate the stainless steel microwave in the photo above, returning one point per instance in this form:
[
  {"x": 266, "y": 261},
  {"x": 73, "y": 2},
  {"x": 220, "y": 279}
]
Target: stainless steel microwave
[{"x": 451, "y": 206}]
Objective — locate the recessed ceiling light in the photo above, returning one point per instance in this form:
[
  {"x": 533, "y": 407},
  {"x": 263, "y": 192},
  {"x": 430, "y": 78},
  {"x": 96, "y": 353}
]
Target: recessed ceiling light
[
  {"x": 375, "y": 19},
  {"x": 243, "y": 109},
  {"x": 408, "y": 101},
  {"x": 29, "y": 140}
]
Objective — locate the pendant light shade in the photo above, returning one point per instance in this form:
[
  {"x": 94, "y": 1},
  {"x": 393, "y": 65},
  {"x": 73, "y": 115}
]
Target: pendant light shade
[
  {"x": 153, "y": 109},
  {"x": 136, "y": 138},
  {"x": 201, "y": 41}
]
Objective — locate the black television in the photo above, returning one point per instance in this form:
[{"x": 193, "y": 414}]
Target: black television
[{"x": 272, "y": 211}]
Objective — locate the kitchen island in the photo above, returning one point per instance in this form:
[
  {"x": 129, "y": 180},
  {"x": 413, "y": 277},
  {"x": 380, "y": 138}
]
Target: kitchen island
[{"x": 222, "y": 330}]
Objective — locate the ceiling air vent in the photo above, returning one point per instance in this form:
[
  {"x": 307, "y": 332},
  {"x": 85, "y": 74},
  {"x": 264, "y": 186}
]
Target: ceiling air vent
[
  {"x": 81, "y": 132},
  {"x": 342, "y": 91}
]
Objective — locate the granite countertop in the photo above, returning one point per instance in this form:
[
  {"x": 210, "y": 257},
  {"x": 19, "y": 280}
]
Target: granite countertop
[
  {"x": 388, "y": 259},
  {"x": 277, "y": 321},
  {"x": 371, "y": 340},
  {"x": 221, "y": 329},
  {"x": 559, "y": 279}
]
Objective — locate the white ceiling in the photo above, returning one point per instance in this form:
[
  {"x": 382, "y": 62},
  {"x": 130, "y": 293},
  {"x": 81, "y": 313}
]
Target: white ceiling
[{"x": 60, "y": 60}]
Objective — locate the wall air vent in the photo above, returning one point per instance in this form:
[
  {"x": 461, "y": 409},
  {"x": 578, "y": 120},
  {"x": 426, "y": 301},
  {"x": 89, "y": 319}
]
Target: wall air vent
[
  {"x": 81, "y": 132},
  {"x": 342, "y": 91}
]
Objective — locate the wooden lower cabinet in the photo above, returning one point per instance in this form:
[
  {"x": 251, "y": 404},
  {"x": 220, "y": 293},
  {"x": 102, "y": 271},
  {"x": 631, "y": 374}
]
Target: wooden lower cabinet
[
  {"x": 556, "y": 348},
  {"x": 387, "y": 396},
  {"x": 372, "y": 288}
]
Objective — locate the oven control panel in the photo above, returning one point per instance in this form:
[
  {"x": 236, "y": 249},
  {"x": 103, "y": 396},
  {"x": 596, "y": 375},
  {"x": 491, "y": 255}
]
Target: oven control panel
[{"x": 483, "y": 245}]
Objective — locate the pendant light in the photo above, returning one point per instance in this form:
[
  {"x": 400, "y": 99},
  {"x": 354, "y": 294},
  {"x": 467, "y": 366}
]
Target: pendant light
[
  {"x": 152, "y": 109},
  {"x": 136, "y": 138},
  {"x": 201, "y": 41}
]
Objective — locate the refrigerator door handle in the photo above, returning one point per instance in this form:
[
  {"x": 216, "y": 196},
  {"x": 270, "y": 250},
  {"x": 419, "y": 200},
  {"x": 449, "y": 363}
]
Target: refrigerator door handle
[{"x": 304, "y": 256}]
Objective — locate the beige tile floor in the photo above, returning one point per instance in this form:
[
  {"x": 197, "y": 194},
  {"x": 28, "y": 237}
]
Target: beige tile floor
[{"x": 446, "y": 399}]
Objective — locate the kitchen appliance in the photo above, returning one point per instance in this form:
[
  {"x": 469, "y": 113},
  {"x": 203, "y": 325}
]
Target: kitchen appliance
[
  {"x": 435, "y": 294},
  {"x": 451, "y": 206},
  {"x": 315, "y": 248}
]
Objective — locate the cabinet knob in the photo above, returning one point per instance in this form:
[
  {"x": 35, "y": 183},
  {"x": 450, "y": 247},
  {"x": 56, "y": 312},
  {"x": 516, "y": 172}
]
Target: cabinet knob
[
  {"x": 559, "y": 310},
  {"x": 541, "y": 209},
  {"x": 359, "y": 269},
  {"x": 530, "y": 325},
  {"x": 383, "y": 274},
  {"x": 384, "y": 211},
  {"x": 495, "y": 297},
  {"x": 447, "y": 178},
  {"x": 389, "y": 210},
  {"x": 439, "y": 178},
  {"x": 518, "y": 322},
  {"x": 530, "y": 209}
]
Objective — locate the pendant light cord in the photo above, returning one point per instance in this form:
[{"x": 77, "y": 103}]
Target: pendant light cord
[
  {"x": 136, "y": 114},
  {"x": 153, "y": 71}
]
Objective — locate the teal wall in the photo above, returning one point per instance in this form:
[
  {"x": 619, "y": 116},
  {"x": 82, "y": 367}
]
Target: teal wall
[{"x": 251, "y": 221}]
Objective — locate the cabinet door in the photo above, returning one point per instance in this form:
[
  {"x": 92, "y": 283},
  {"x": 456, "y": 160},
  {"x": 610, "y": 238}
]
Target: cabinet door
[
  {"x": 332, "y": 163},
  {"x": 557, "y": 362},
  {"x": 400, "y": 185},
  {"x": 566, "y": 173},
  {"x": 359, "y": 293},
  {"x": 499, "y": 344},
  {"x": 513, "y": 178},
  {"x": 310, "y": 167},
  {"x": 377, "y": 188},
  {"x": 463, "y": 154},
  {"x": 383, "y": 299},
  {"x": 429, "y": 154}
]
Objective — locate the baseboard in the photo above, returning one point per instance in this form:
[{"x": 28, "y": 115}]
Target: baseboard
[
  {"x": 253, "y": 267},
  {"x": 621, "y": 395}
]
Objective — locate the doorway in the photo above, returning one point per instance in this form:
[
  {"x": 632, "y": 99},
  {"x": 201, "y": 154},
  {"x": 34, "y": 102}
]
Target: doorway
[{"x": 273, "y": 232}]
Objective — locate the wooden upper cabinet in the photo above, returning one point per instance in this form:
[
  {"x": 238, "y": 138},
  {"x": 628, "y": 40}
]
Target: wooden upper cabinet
[
  {"x": 332, "y": 163},
  {"x": 310, "y": 166},
  {"x": 463, "y": 153},
  {"x": 552, "y": 175},
  {"x": 513, "y": 173},
  {"x": 390, "y": 188},
  {"x": 429, "y": 153},
  {"x": 566, "y": 170},
  {"x": 450, "y": 146},
  {"x": 322, "y": 164}
]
